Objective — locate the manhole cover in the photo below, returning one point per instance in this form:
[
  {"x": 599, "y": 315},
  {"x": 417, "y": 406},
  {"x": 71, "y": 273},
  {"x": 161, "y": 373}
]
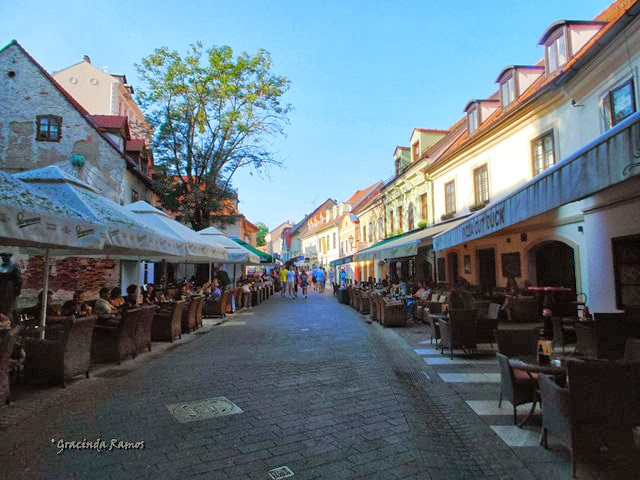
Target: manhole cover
[
  {"x": 280, "y": 472},
  {"x": 203, "y": 409},
  {"x": 113, "y": 373}
]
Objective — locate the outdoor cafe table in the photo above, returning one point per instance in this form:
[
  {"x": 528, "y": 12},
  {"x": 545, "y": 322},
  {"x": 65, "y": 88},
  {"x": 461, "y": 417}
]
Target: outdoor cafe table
[{"x": 557, "y": 368}]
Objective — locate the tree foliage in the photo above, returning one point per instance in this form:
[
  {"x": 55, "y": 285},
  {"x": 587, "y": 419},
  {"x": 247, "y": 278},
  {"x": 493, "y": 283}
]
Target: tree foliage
[
  {"x": 213, "y": 114},
  {"x": 262, "y": 232}
]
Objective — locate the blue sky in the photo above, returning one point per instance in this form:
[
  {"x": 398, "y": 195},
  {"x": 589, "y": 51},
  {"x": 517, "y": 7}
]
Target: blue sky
[{"x": 363, "y": 74}]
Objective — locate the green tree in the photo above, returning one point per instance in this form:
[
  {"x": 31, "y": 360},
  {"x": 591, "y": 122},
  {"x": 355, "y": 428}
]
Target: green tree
[
  {"x": 262, "y": 232},
  {"x": 212, "y": 114}
]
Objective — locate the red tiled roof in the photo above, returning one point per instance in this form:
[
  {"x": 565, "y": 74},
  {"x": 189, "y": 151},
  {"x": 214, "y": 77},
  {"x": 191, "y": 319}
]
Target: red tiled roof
[
  {"x": 360, "y": 194},
  {"x": 611, "y": 15},
  {"x": 135, "y": 145},
  {"x": 110, "y": 122},
  {"x": 429, "y": 130}
]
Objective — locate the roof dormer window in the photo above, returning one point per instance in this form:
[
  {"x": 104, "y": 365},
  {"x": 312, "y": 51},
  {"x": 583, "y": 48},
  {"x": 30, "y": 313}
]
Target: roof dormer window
[
  {"x": 472, "y": 120},
  {"x": 556, "y": 52},
  {"x": 507, "y": 91},
  {"x": 415, "y": 151}
]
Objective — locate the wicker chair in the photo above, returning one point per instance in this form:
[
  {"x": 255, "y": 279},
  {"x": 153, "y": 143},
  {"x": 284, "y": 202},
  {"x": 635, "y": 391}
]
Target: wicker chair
[
  {"x": 516, "y": 386},
  {"x": 459, "y": 331},
  {"x": 393, "y": 315},
  {"x": 200, "y": 309},
  {"x": 562, "y": 334},
  {"x": 218, "y": 308},
  {"x": 512, "y": 342},
  {"x": 365, "y": 305},
  {"x": 143, "y": 328},
  {"x": 7, "y": 341},
  {"x": 556, "y": 415},
  {"x": 54, "y": 361},
  {"x": 189, "y": 314},
  {"x": 114, "y": 343},
  {"x": 167, "y": 322},
  {"x": 525, "y": 310},
  {"x": 433, "y": 325},
  {"x": 604, "y": 399}
]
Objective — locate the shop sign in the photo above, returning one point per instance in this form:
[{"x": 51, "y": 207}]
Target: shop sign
[{"x": 489, "y": 222}]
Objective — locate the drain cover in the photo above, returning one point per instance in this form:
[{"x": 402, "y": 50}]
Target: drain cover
[
  {"x": 203, "y": 409},
  {"x": 280, "y": 472}
]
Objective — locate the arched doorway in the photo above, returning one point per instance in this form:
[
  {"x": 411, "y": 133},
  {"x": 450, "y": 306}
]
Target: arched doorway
[{"x": 554, "y": 263}]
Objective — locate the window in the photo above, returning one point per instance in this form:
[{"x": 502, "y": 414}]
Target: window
[
  {"x": 481, "y": 184},
  {"x": 380, "y": 229},
  {"x": 134, "y": 196},
  {"x": 556, "y": 53},
  {"x": 619, "y": 103},
  {"x": 507, "y": 91},
  {"x": 472, "y": 120},
  {"x": 334, "y": 240},
  {"x": 398, "y": 166},
  {"x": 450, "y": 197},
  {"x": 400, "y": 227},
  {"x": 371, "y": 232},
  {"x": 364, "y": 233},
  {"x": 48, "y": 128},
  {"x": 391, "y": 230},
  {"x": 410, "y": 217},
  {"x": 423, "y": 207},
  {"x": 543, "y": 156},
  {"x": 626, "y": 265},
  {"x": 415, "y": 151}
]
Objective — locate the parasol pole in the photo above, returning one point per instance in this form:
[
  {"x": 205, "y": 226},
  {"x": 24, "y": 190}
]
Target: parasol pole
[
  {"x": 209, "y": 272},
  {"x": 45, "y": 294}
]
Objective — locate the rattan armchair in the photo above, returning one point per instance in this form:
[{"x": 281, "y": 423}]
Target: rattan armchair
[
  {"x": 167, "y": 322},
  {"x": 459, "y": 330},
  {"x": 514, "y": 342},
  {"x": 190, "y": 314},
  {"x": 115, "y": 343},
  {"x": 516, "y": 386},
  {"x": 53, "y": 361},
  {"x": 143, "y": 328},
  {"x": 556, "y": 415}
]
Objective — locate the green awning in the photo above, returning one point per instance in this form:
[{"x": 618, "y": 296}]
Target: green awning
[
  {"x": 405, "y": 245},
  {"x": 341, "y": 261},
  {"x": 264, "y": 257}
]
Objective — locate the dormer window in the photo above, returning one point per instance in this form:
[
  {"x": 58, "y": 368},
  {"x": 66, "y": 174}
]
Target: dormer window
[
  {"x": 398, "y": 166},
  {"x": 507, "y": 91},
  {"x": 415, "y": 151},
  {"x": 556, "y": 52},
  {"x": 472, "y": 120}
]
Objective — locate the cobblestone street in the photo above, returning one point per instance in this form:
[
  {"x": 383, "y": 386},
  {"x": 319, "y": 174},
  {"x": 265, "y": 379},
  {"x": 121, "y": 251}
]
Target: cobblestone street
[{"x": 321, "y": 390}]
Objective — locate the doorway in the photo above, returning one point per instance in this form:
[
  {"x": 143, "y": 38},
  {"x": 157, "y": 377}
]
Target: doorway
[
  {"x": 487, "y": 270},
  {"x": 452, "y": 272},
  {"x": 555, "y": 265}
]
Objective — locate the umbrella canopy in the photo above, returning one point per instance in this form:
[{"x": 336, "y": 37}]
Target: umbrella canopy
[
  {"x": 237, "y": 253},
  {"x": 196, "y": 247},
  {"x": 264, "y": 257},
  {"x": 29, "y": 218},
  {"x": 127, "y": 237}
]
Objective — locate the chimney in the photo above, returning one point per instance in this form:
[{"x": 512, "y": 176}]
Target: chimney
[{"x": 86, "y": 58}]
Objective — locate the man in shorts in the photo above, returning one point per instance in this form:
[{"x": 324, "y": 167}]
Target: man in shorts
[
  {"x": 283, "y": 281},
  {"x": 320, "y": 279},
  {"x": 291, "y": 278}
]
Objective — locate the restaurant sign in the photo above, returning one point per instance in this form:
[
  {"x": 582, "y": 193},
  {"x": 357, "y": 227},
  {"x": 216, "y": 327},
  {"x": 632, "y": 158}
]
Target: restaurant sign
[{"x": 489, "y": 222}]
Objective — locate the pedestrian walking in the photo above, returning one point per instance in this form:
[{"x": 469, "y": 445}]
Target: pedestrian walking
[
  {"x": 296, "y": 280},
  {"x": 304, "y": 282},
  {"x": 291, "y": 277},
  {"x": 320, "y": 279},
  {"x": 283, "y": 281},
  {"x": 314, "y": 278},
  {"x": 332, "y": 277}
]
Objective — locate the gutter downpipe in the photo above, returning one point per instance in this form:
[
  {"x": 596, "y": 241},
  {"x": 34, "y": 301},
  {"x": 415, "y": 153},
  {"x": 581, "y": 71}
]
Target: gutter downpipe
[{"x": 429, "y": 181}]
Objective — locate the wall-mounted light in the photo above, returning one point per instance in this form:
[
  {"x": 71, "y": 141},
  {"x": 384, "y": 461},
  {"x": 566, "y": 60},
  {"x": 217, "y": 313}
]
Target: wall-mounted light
[{"x": 508, "y": 239}]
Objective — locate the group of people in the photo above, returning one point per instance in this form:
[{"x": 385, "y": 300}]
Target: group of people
[{"x": 293, "y": 278}]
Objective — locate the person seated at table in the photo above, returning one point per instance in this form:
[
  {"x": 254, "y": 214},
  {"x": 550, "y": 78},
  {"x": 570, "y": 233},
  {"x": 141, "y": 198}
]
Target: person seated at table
[
  {"x": 35, "y": 311},
  {"x": 116, "y": 299},
  {"x": 103, "y": 308},
  {"x": 75, "y": 306},
  {"x": 131, "y": 300}
]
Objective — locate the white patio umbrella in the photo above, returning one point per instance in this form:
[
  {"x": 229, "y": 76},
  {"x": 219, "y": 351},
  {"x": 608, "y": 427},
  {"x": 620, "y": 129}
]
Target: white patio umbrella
[
  {"x": 32, "y": 221},
  {"x": 237, "y": 253},
  {"x": 196, "y": 248},
  {"x": 127, "y": 237}
]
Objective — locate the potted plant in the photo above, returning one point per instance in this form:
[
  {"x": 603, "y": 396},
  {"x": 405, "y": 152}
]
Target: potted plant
[
  {"x": 422, "y": 224},
  {"x": 478, "y": 205},
  {"x": 447, "y": 216}
]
